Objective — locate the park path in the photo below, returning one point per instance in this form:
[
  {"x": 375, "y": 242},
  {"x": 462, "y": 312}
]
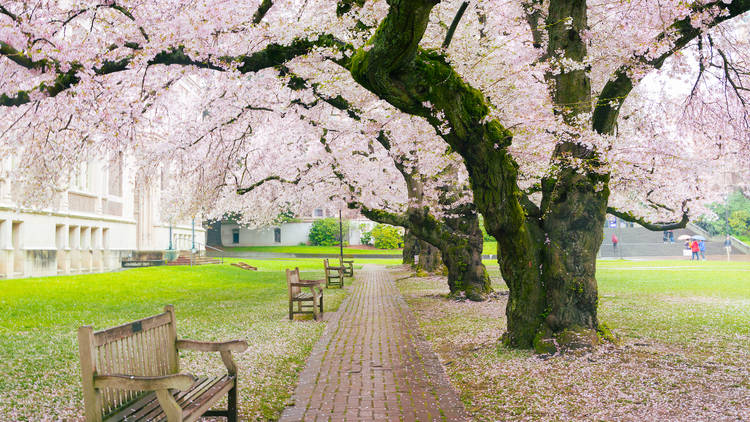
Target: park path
[{"x": 373, "y": 364}]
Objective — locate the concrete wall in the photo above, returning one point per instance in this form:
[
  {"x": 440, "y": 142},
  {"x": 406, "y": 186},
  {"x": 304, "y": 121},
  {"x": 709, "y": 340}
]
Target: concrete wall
[{"x": 291, "y": 234}]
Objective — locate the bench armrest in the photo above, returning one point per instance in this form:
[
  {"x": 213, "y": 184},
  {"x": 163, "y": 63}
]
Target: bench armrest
[
  {"x": 131, "y": 382},
  {"x": 348, "y": 262},
  {"x": 211, "y": 346},
  {"x": 304, "y": 283}
]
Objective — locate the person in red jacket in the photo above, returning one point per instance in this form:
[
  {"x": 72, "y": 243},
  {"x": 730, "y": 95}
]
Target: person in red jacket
[
  {"x": 695, "y": 248},
  {"x": 614, "y": 242}
]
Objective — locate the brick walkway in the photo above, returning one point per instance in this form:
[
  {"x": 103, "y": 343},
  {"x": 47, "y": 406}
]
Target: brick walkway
[{"x": 372, "y": 364}]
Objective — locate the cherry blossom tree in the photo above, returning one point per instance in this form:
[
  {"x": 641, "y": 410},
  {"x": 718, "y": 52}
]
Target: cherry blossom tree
[{"x": 550, "y": 104}]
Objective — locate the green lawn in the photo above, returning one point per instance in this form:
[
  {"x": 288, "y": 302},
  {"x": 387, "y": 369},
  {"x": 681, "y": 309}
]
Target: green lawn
[
  {"x": 308, "y": 264},
  {"x": 683, "y": 350},
  {"x": 39, "y": 373},
  {"x": 330, "y": 250}
]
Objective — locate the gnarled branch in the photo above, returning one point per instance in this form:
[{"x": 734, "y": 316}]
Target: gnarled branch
[{"x": 659, "y": 226}]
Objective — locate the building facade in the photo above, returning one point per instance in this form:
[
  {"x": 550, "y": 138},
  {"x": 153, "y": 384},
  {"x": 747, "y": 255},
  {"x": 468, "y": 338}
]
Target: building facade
[
  {"x": 104, "y": 217},
  {"x": 292, "y": 233}
]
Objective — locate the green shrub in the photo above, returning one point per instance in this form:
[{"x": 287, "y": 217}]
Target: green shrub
[
  {"x": 325, "y": 232},
  {"x": 387, "y": 237},
  {"x": 366, "y": 237}
]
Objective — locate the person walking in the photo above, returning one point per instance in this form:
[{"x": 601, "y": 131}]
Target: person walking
[
  {"x": 702, "y": 249},
  {"x": 695, "y": 249},
  {"x": 728, "y": 246},
  {"x": 615, "y": 240}
]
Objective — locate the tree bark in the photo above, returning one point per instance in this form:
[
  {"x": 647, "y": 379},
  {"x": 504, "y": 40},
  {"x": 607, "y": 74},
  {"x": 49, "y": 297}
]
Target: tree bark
[
  {"x": 430, "y": 259},
  {"x": 411, "y": 248},
  {"x": 420, "y": 254},
  {"x": 459, "y": 241}
]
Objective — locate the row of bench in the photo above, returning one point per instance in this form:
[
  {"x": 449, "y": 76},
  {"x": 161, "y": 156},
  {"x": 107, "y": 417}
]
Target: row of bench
[{"x": 132, "y": 371}]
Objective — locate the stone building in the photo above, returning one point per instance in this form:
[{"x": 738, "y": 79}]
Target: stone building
[{"x": 105, "y": 216}]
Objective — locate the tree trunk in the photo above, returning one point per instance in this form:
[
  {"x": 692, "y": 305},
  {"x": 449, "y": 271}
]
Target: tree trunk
[
  {"x": 411, "y": 247},
  {"x": 546, "y": 253},
  {"x": 460, "y": 242},
  {"x": 429, "y": 257}
]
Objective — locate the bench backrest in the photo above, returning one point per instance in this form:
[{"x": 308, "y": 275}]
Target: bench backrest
[
  {"x": 292, "y": 276},
  {"x": 327, "y": 267},
  {"x": 143, "y": 348}
]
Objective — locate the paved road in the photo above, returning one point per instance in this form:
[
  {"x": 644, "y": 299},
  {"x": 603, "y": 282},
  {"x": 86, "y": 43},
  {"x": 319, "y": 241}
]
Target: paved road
[{"x": 372, "y": 364}]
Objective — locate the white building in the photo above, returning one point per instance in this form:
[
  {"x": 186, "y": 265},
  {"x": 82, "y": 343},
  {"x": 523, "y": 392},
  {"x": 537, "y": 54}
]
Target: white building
[
  {"x": 103, "y": 218},
  {"x": 293, "y": 233}
]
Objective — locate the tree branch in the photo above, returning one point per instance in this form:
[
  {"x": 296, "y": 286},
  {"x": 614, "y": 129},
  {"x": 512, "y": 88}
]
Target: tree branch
[
  {"x": 454, "y": 25},
  {"x": 273, "y": 55},
  {"x": 619, "y": 86},
  {"x": 265, "y": 5},
  {"x": 242, "y": 191},
  {"x": 628, "y": 216}
]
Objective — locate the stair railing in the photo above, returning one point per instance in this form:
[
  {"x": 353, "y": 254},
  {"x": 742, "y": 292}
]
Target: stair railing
[
  {"x": 740, "y": 245},
  {"x": 221, "y": 252}
]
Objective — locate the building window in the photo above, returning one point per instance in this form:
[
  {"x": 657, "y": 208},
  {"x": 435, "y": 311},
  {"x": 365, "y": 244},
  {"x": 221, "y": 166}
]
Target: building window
[
  {"x": 235, "y": 235},
  {"x": 318, "y": 212},
  {"x": 81, "y": 177},
  {"x": 115, "y": 176},
  {"x": 277, "y": 235}
]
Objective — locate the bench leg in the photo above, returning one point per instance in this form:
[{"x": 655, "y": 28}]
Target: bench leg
[
  {"x": 232, "y": 404},
  {"x": 291, "y": 310},
  {"x": 321, "y": 306}
]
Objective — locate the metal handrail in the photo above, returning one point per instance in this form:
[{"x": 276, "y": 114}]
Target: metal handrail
[
  {"x": 221, "y": 251},
  {"x": 742, "y": 246}
]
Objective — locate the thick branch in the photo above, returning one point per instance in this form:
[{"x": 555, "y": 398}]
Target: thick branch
[
  {"x": 273, "y": 55},
  {"x": 242, "y": 191},
  {"x": 628, "y": 216},
  {"x": 422, "y": 83},
  {"x": 381, "y": 216}
]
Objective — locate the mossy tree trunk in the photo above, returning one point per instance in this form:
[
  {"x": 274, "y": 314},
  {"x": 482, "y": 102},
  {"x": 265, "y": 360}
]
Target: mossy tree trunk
[
  {"x": 458, "y": 240},
  {"x": 421, "y": 254},
  {"x": 533, "y": 244},
  {"x": 411, "y": 247},
  {"x": 430, "y": 259}
]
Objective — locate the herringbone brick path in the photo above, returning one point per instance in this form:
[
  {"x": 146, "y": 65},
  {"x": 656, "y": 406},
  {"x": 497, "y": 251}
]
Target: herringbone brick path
[{"x": 372, "y": 364}]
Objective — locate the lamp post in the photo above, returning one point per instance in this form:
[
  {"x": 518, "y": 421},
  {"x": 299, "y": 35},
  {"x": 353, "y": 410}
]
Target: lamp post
[
  {"x": 341, "y": 237},
  {"x": 170, "y": 236},
  {"x": 193, "y": 231}
]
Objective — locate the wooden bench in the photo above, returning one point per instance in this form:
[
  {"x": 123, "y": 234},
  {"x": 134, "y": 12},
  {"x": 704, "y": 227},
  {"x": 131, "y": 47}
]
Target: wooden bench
[
  {"x": 142, "y": 262},
  {"x": 348, "y": 266},
  {"x": 132, "y": 372},
  {"x": 334, "y": 275},
  {"x": 304, "y": 300},
  {"x": 244, "y": 266}
]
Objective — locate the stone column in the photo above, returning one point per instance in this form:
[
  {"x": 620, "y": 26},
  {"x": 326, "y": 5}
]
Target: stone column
[{"x": 6, "y": 249}]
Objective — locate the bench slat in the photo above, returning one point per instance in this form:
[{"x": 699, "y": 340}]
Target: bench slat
[
  {"x": 183, "y": 398},
  {"x": 201, "y": 404},
  {"x": 125, "y": 330},
  {"x": 152, "y": 409}
]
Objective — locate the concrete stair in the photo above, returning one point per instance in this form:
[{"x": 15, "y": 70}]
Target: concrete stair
[
  {"x": 187, "y": 258},
  {"x": 637, "y": 241}
]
